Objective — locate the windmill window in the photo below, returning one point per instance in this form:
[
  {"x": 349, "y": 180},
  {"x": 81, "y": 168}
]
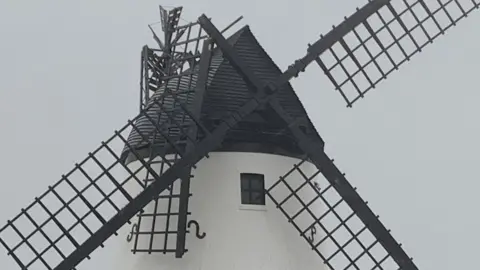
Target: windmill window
[{"x": 252, "y": 188}]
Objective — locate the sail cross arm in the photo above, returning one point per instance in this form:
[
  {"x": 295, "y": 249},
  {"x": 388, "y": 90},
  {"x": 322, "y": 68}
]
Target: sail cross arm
[{"x": 315, "y": 151}]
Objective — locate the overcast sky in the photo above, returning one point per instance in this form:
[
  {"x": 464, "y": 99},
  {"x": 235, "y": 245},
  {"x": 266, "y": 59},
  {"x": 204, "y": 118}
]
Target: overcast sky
[{"x": 69, "y": 76}]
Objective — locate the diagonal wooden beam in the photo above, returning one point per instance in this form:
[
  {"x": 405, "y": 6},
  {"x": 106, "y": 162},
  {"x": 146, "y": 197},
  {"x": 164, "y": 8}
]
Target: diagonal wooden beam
[
  {"x": 201, "y": 149},
  {"x": 315, "y": 150}
]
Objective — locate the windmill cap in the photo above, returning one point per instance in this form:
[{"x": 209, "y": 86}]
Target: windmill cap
[{"x": 262, "y": 132}]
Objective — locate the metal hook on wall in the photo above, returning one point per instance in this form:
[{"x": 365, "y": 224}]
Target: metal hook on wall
[
  {"x": 132, "y": 232},
  {"x": 197, "y": 229}
]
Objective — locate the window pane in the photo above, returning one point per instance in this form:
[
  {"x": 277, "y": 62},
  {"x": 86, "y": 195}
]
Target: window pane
[
  {"x": 256, "y": 183},
  {"x": 245, "y": 198},
  {"x": 258, "y": 198},
  {"x": 252, "y": 188},
  {"x": 244, "y": 182}
]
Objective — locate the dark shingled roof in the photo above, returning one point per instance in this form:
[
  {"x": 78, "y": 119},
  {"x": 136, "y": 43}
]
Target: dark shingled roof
[{"x": 226, "y": 92}]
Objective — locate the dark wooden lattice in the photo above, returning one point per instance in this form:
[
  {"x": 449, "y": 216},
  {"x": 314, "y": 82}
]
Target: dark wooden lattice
[
  {"x": 86, "y": 198},
  {"x": 386, "y": 40},
  {"x": 175, "y": 66},
  {"x": 327, "y": 223}
]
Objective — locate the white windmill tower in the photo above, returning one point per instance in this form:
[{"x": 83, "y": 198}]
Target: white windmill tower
[{"x": 222, "y": 168}]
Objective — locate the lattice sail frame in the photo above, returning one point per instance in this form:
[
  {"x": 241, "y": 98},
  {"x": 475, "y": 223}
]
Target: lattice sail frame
[
  {"x": 66, "y": 242},
  {"x": 168, "y": 61},
  {"x": 175, "y": 65},
  {"x": 378, "y": 46},
  {"x": 161, "y": 227},
  {"x": 328, "y": 224},
  {"x": 85, "y": 199}
]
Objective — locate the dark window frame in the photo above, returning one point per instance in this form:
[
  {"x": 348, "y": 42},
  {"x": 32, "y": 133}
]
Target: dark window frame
[{"x": 252, "y": 189}]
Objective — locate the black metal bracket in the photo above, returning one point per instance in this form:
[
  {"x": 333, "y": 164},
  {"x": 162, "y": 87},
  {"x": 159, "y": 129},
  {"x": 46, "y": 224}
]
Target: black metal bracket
[
  {"x": 197, "y": 229},
  {"x": 132, "y": 232}
]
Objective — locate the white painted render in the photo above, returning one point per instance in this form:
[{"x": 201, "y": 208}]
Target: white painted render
[{"x": 238, "y": 237}]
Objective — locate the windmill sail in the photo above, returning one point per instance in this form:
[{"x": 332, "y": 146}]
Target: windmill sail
[
  {"x": 386, "y": 40},
  {"x": 94, "y": 200},
  {"x": 162, "y": 226},
  {"x": 88, "y": 204},
  {"x": 328, "y": 224}
]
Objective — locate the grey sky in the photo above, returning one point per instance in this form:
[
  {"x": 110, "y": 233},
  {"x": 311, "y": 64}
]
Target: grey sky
[{"x": 69, "y": 76}]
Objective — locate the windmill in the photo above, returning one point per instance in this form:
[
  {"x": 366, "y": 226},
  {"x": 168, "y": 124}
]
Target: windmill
[{"x": 223, "y": 110}]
